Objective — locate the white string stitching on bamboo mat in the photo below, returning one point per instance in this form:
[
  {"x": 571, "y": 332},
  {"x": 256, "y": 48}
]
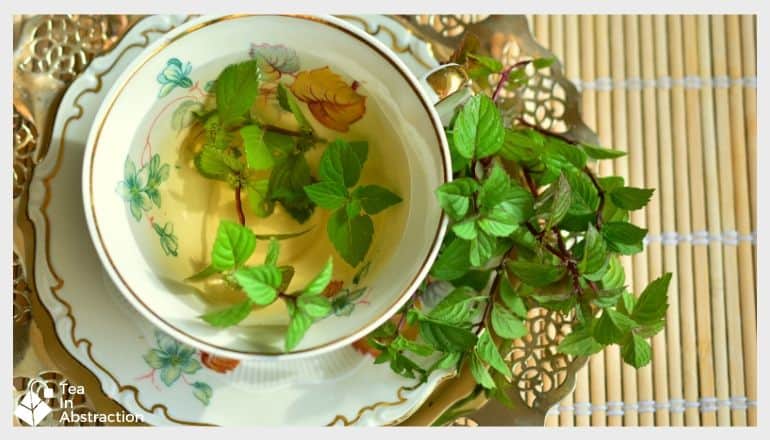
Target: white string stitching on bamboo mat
[
  {"x": 605, "y": 84},
  {"x": 705, "y": 404},
  {"x": 728, "y": 238}
]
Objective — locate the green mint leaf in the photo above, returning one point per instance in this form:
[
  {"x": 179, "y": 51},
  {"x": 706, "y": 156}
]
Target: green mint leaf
[
  {"x": 236, "y": 90},
  {"x": 404, "y": 366},
  {"x": 608, "y": 298},
  {"x": 260, "y": 283},
  {"x": 375, "y": 198},
  {"x": 475, "y": 279},
  {"x": 288, "y": 102},
  {"x": 258, "y": 156},
  {"x": 493, "y": 189},
  {"x": 233, "y": 245},
  {"x": 595, "y": 255},
  {"x": 314, "y": 306},
  {"x": 536, "y": 274},
  {"x": 560, "y": 155},
  {"x": 351, "y": 236},
  {"x": 615, "y": 277},
  {"x": 203, "y": 274},
  {"x": 230, "y": 316},
  {"x": 554, "y": 203},
  {"x": 466, "y": 229},
  {"x": 648, "y": 331},
  {"x": 482, "y": 248},
  {"x": 488, "y": 352},
  {"x": 401, "y": 344},
  {"x": 340, "y": 164},
  {"x": 505, "y": 324},
  {"x": 299, "y": 324},
  {"x": 542, "y": 63},
  {"x": 480, "y": 373},
  {"x": 636, "y": 351},
  {"x": 446, "y": 362},
  {"x": 627, "y": 303},
  {"x": 612, "y": 326},
  {"x": 320, "y": 281},
  {"x": 453, "y": 262},
  {"x": 211, "y": 163},
  {"x": 444, "y": 337},
  {"x": 585, "y": 198},
  {"x": 455, "y": 196},
  {"x": 287, "y": 273},
  {"x": 256, "y": 193},
  {"x": 327, "y": 194},
  {"x": 456, "y": 308},
  {"x": 580, "y": 342},
  {"x": 361, "y": 149},
  {"x": 522, "y": 145},
  {"x": 653, "y": 302},
  {"x": 287, "y": 182},
  {"x": 280, "y": 237},
  {"x": 631, "y": 198},
  {"x": 491, "y": 64},
  {"x": 478, "y": 128},
  {"x": 623, "y": 237},
  {"x": 596, "y": 152},
  {"x": 273, "y": 249},
  {"x": 511, "y": 299},
  {"x": 353, "y": 208}
]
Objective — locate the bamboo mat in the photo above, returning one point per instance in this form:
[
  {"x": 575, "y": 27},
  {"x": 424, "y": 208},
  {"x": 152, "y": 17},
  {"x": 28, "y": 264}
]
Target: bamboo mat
[{"x": 678, "y": 93}]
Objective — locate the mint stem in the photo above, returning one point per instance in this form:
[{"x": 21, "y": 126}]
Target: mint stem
[
  {"x": 239, "y": 206},
  {"x": 504, "y": 75}
]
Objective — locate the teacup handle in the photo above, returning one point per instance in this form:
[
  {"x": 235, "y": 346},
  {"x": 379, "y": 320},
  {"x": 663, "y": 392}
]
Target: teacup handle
[{"x": 448, "y": 87}]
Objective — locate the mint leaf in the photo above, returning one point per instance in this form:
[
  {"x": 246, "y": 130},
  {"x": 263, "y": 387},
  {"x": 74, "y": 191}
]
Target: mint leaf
[
  {"x": 273, "y": 249},
  {"x": 596, "y": 152},
  {"x": 580, "y": 342},
  {"x": 623, "y": 237},
  {"x": 554, "y": 203},
  {"x": 455, "y": 196},
  {"x": 488, "y": 352},
  {"x": 480, "y": 373},
  {"x": 446, "y": 362},
  {"x": 466, "y": 229},
  {"x": 557, "y": 151},
  {"x": 340, "y": 164},
  {"x": 615, "y": 277},
  {"x": 327, "y": 194},
  {"x": 511, "y": 299},
  {"x": 233, "y": 245},
  {"x": 493, "y": 189},
  {"x": 455, "y": 309},
  {"x": 314, "y": 306},
  {"x": 236, "y": 90},
  {"x": 612, "y": 326},
  {"x": 482, "y": 248},
  {"x": 636, "y": 351},
  {"x": 444, "y": 337},
  {"x": 256, "y": 193},
  {"x": 542, "y": 63},
  {"x": 260, "y": 283},
  {"x": 478, "y": 128},
  {"x": 401, "y": 344},
  {"x": 505, "y": 324},
  {"x": 288, "y": 102},
  {"x": 653, "y": 302},
  {"x": 287, "y": 181},
  {"x": 375, "y": 198},
  {"x": 320, "y": 281},
  {"x": 230, "y": 316},
  {"x": 631, "y": 198},
  {"x": 522, "y": 145},
  {"x": 361, "y": 150},
  {"x": 536, "y": 274},
  {"x": 351, "y": 236},
  {"x": 203, "y": 274},
  {"x": 594, "y": 252},
  {"x": 258, "y": 156},
  {"x": 299, "y": 324},
  {"x": 453, "y": 262},
  {"x": 627, "y": 303},
  {"x": 211, "y": 163}
]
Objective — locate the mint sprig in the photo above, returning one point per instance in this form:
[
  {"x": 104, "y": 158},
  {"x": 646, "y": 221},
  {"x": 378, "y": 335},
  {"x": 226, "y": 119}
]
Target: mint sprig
[{"x": 350, "y": 227}]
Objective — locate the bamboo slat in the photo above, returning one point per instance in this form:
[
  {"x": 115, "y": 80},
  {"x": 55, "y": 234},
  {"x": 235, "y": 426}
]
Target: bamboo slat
[{"x": 652, "y": 180}]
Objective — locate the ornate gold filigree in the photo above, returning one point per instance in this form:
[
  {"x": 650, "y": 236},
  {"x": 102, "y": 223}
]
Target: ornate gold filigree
[
  {"x": 24, "y": 146},
  {"x": 59, "y": 402},
  {"x": 465, "y": 421},
  {"x": 21, "y": 291},
  {"x": 63, "y": 45}
]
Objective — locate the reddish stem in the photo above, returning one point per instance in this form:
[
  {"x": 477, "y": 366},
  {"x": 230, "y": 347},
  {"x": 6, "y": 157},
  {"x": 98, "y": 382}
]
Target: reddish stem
[
  {"x": 504, "y": 75},
  {"x": 239, "y": 206}
]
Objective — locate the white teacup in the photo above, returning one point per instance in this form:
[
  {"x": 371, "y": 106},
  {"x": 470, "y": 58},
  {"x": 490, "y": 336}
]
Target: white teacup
[{"x": 141, "y": 119}]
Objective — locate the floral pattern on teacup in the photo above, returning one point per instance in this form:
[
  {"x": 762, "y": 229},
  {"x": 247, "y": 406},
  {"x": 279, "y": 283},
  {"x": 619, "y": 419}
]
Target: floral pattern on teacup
[{"x": 174, "y": 75}]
